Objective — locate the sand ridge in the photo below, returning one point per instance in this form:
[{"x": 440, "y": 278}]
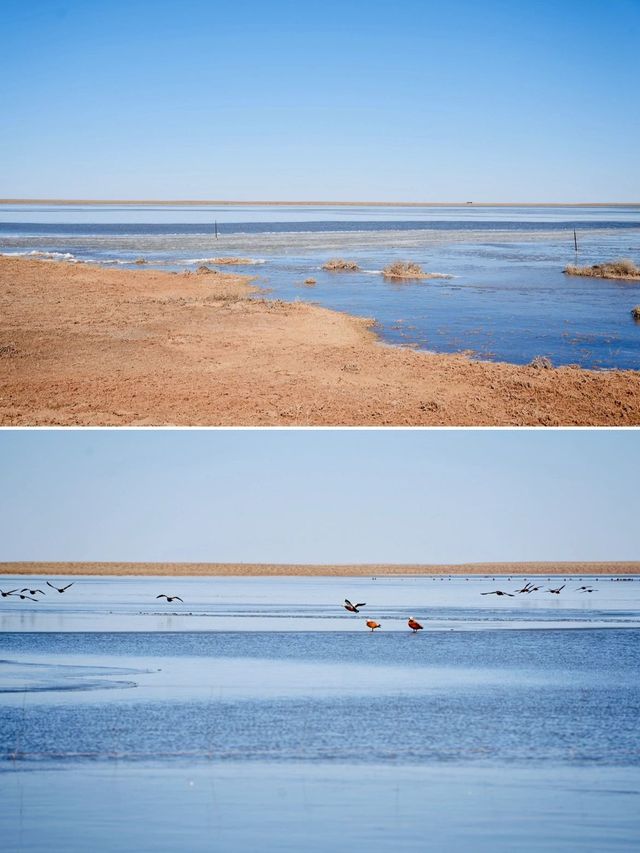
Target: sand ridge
[
  {"x": 614, "y": 568},
  {"x": 84, "y": 345}
]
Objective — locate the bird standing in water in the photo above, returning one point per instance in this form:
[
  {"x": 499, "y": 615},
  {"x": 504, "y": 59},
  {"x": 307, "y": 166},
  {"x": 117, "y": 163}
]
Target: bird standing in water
[
  {"x": 353, "y": 608},
  {"x": 373, "y": 625},
  {"x": 415, "y": 626}
]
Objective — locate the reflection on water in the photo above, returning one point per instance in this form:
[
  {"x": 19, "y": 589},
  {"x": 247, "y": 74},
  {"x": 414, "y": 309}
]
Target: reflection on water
[{"x": 508, "y": 298}]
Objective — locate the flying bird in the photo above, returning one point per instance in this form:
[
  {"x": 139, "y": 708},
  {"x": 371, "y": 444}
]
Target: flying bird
[
  {"x": 558, "y": 590},
  {"x": 415, "y": 626},
  {"x": 33, "y": 591},
  {"x": 170, "y": 598},
  {"x": 373, "y": 625},
  {"x": 60, "y": 588},
  {"x": 353, "y": 608},
  {"x": 498, "y": 592},
  {"x": 9, "y": 592},
  {"x": 28, "y": 597},
  {"x": 526, "y": 588}
]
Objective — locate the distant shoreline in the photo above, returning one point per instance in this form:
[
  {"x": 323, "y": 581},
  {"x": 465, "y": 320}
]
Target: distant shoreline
[
  {"x": 253, "y": 203},
  {"x": 311, "y": 570}
]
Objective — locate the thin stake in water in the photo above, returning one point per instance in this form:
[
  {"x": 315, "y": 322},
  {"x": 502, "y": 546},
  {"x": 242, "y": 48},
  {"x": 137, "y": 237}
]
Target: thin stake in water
[
  {"x": 216, "y": 227},
  {"x": 575, "y": 241}
]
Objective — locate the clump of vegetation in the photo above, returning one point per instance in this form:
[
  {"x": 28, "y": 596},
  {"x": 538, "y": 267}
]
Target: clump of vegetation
[
  {"x": 635, "y": 312},
  {"x": 403, "y": 269},
  {"x": 140, "y": 261},
  {"x": 541, "y": 362},
  {"x": 622, "y": 268},
  {"x": 203, "y": 269},
  {"x": 406, "y": 269},
  {"x": 340, "y": 265},
  {"x": 309, "y": 282}
]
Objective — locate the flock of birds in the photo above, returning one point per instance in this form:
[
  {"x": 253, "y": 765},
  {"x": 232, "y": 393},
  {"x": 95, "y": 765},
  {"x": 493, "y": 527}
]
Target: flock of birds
[
  {"x": 529, "y": 587},
  {"x": 371, "y": 623},
  {"x": 27, "y": 594}
]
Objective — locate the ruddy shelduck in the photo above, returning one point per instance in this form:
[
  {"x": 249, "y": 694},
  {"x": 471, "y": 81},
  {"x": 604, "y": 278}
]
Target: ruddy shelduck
[
  {"x": 373, "y": 625},
  {"x": 415, "y": 626}
]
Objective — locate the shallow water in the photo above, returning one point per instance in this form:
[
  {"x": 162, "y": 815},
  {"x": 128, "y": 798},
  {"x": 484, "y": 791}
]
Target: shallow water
[
  {"x": 507, "y": 724},
  {"x": 508, "y": 299}
]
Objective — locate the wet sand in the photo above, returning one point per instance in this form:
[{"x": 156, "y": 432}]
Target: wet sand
[
  {"x": 308, "y": 570},
  {"x": 84, "y": 345}
]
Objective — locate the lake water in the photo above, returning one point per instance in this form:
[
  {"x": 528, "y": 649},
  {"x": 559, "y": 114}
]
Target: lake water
[
  {"x": 258, "y": 712},
  {"x": 507, "y": 300}
]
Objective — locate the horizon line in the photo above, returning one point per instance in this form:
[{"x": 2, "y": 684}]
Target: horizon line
[{"x": 235, "y": 202}]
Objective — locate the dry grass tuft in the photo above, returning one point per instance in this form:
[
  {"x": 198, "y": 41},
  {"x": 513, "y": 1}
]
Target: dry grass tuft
[
  {"x": 541, "y": 362},
  {"x": 635, "y": 312},
  {"x": 140, "y": 261},
  {"x": 203, "y": 269},
  {"x": 309, "y": 282},
  {"x": 340, "y": 265},
  {"x": 403, "y": 269},
  {"x": 231, "y": 261},
  {"x": 621, "y": 268}
]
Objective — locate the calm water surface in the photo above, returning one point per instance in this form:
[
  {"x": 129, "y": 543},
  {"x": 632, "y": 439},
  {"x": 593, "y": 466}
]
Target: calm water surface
[
  {"x": 259, "y": 713},
  {"x": 508, "y": 299}
]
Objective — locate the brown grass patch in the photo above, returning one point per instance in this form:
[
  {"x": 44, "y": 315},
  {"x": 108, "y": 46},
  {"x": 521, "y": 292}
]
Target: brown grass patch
[
  {"x": 407, "y": 269},
  {"x": 340, "y": 265},
  {"x": 622, "y": 268}
]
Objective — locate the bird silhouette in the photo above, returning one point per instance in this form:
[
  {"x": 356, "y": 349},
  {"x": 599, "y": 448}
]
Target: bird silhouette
[
  {"x": 26, "y": 597},
  {"x": 170, "y": 598},
  {"x": 373, "y": 625},
  {"x": 353, "y": 608},
  {"x": 59, "y": 588},
  {"x": 525, "y": 588},
  {"x": 415, "y": 626},
  {"x": 558, "y": 590},
  {"x": 33, "y": 591},
  {"x": 8, "y": 592},
  {"x": 498, "y": 592}
]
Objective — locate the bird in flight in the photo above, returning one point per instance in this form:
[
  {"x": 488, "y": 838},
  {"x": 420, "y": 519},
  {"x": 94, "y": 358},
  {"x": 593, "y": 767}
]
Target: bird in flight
[
  {"x": 8, "y": 592},
  {"x": 60, "y": 588},
  {"x": 526, "y": 588},
  {"x": 353, "y": 608},
  {"x": 170, "y": 598},
  {"x": 558, "y": 590},
  {"x": 415, "y": 626},
  {"x": 26, "y": 597},
  {"x": 33, "y": 591},
  {"x": 498, "y": 592},
  {"x": 373, "y": 625}
]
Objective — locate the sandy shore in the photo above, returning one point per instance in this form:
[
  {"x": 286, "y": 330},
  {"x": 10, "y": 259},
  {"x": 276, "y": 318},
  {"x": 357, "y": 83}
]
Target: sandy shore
[
  {"x": 305, "y": 570},
  {"x": 84, "y": 345}
]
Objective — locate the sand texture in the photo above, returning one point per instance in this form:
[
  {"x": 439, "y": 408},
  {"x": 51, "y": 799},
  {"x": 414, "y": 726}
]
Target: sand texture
[
  {"x": 83, "y": 345},
  {"x": 291, "y": 569}
]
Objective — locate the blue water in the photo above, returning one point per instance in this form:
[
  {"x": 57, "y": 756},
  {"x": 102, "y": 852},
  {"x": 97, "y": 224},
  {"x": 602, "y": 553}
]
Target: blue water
[
  {"x": 507, "y": 300},
  {"x": 505, "y": 725}
]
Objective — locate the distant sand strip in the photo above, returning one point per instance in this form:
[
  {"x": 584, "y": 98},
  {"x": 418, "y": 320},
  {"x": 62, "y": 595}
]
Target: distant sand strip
[
  {"x": 84, "y": 345},
  {"x": 305, "y": 570}
]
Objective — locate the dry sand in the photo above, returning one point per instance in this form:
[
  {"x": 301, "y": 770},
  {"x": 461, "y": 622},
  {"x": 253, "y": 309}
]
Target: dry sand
[
  {"x": 83, "y": 345},
  {"x": 366, "y": 570}
]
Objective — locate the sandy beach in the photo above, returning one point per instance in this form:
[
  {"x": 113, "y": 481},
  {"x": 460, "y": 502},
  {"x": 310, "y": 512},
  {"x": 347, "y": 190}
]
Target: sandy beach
[
  {"x": 84, "y": 345},
  {"x": 308, "y": 570}
]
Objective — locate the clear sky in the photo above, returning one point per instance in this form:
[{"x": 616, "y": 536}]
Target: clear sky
[
  {"x": 423, "y": 100},
  {"x": 319, "y": 495}
]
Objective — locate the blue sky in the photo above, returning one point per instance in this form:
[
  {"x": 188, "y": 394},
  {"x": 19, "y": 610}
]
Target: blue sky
[
  {"x": 413, "y": 100},
  {"x": 319, "y": 495}
]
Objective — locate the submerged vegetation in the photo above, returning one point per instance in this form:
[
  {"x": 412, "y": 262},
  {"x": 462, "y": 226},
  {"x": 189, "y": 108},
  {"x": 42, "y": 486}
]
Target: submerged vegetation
[
  {"x": 406, "y": 269},
  {"x": 622, "y": 268},
  {"x": 340, "y": 265},
  {"x": 232, "y": 261},
  {"x": 309, "y": 282}
]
